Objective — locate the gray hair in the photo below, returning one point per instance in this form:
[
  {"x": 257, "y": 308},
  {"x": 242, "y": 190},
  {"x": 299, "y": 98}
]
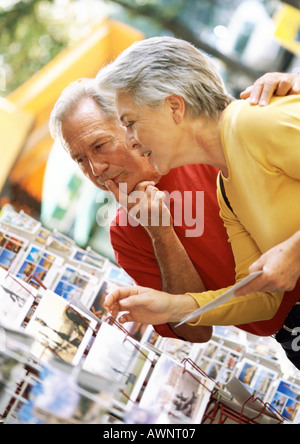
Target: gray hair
[
  {"x": 153, "y": 69},
  {"x": 70, "y": 99}
]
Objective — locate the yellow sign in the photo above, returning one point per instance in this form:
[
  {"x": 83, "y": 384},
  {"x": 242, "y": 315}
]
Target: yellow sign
[{"x": 287, "y": 21}]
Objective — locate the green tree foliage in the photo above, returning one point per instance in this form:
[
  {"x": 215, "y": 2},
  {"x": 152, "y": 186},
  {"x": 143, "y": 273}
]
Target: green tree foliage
[{"x": 32, "y": 33}]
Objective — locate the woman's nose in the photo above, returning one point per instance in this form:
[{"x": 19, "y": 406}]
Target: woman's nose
[{"x": 131, "y": 142}]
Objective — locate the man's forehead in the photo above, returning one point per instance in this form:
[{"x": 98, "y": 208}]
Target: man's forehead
[{"x": 90, "y": 129}]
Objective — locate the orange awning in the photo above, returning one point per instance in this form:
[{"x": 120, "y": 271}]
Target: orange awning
[{"x": 37, "y": 96}]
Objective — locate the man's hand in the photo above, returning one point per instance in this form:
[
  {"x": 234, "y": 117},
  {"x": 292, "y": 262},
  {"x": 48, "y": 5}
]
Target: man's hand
[
  {"x": 149, "y": 306},
  {"x": 278, "y": 84},
  {"x": 146, "y": 204},
  {"x": 281, "y": 268}
]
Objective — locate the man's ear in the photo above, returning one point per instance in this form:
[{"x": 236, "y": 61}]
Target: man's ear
[{"x": 177, "y": 107}]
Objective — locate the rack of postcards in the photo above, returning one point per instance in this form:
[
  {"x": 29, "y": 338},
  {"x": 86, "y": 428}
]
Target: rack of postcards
[{"x": 65, "y": 360}]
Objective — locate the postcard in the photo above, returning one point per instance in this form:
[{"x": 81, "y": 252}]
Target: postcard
[
  {"x": 89, "y": 258},
  {"x": 174, "y": 347},
  {"x": 173, "y": 389},
  {"x": 38, "y": 262},
  {"x": 59, "y": 330},
  {"x": 14, "y": 339},
  {"x": 54, "y": 240},
  {"x": 73, "y": 282},
  {"x": 12, "y": 372},
  {"x": 116, "y": 356},
  {"x": 16, "y": 299},
  {"x": 60, "y": 242},
  {"x": 150, "y": 337},
  {"x": 10, "y": 247},
  {"x": 256, "y": 378},
  {"x": 59, "y": 397},
  {"x": 230, "y": 334},
  {"x": 218, "y": 361},
  {"x": 118, "y": 275},
  {"x": 95, "y": 302},
  {"x": 19, "y": 220},
  {"x": 286, "y": 400}
]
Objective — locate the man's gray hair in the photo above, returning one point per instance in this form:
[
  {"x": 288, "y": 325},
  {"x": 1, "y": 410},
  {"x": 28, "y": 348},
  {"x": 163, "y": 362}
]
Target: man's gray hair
[
  {"x": 153, "y": 69},
  {"x": 70, "y": 99}
]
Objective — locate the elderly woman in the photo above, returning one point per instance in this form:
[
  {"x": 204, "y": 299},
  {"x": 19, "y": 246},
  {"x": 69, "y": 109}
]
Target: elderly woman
[{"x": 169, "y": 96}]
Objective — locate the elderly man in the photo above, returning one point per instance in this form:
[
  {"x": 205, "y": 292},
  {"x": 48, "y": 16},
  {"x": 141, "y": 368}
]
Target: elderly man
[{"x": 161, "y": 257}]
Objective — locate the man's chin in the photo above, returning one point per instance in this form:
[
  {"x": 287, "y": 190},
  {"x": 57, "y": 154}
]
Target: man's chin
[{"x": 162, "y": 171}]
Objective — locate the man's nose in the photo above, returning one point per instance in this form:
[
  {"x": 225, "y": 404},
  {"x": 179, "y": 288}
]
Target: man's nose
[
  {"x": 131, "y": 142},
  {"x": 98, "y": 166}
]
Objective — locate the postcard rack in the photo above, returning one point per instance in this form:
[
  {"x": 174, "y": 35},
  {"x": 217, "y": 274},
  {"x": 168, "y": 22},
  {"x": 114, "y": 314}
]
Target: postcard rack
[
  {"x": 60, "y": 333},
  {"x": 220, "y": 408},
  {"x": 125, "y": 400},
  {"x": 220, "y": 411}
]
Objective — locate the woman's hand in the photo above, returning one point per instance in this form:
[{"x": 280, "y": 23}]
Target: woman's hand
[
  {"x": 275, "y": 83},
  {"x": 281, "y": 268},
  {"x": 149, "y": 306}
]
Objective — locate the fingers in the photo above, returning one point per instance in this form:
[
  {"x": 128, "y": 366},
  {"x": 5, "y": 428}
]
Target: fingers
[
  {"x": 114, "y": 189},
  {"x": 132, "y": 302},
  {"x": 296, "y": 86},
  {"x": 259, "y": 93},
  {"x": 126, "y": 318},
  {"x": 279, "y": 84},
  {"x": 125, "y": 296},
  {"x": 284, "y": 86},
  {"x": 143, "y": 186},
  {"x": 120, "y": 193},
  {"x": 112, "y": 301},
  {"x": 262, "y": 92},
  {"x": 246, "y": 93},
  {"x": 265, "y": 283}
]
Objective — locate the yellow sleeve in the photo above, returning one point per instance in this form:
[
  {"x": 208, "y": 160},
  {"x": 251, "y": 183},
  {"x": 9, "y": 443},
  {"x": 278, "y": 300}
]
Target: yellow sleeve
[{"x": 245, "y": 309}]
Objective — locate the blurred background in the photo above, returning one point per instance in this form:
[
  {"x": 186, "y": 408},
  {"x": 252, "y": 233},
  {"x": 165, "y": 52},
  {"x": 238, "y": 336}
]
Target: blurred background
[{"x": 46, "y": 44}]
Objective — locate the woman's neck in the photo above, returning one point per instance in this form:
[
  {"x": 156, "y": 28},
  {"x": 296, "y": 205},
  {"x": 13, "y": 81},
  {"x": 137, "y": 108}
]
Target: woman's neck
[{"x": 203, "y": 144}]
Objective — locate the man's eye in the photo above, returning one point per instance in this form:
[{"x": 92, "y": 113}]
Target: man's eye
[{"x": 127, "y": 124}]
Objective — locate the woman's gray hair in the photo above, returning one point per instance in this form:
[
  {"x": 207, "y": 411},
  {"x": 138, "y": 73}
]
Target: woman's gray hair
[
  {"x": 153, "y": 69},
  {"x": 70, "y": 99}
]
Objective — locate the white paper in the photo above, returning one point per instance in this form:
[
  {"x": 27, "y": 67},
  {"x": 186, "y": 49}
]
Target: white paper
[{"x": 222, "y": 299}]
